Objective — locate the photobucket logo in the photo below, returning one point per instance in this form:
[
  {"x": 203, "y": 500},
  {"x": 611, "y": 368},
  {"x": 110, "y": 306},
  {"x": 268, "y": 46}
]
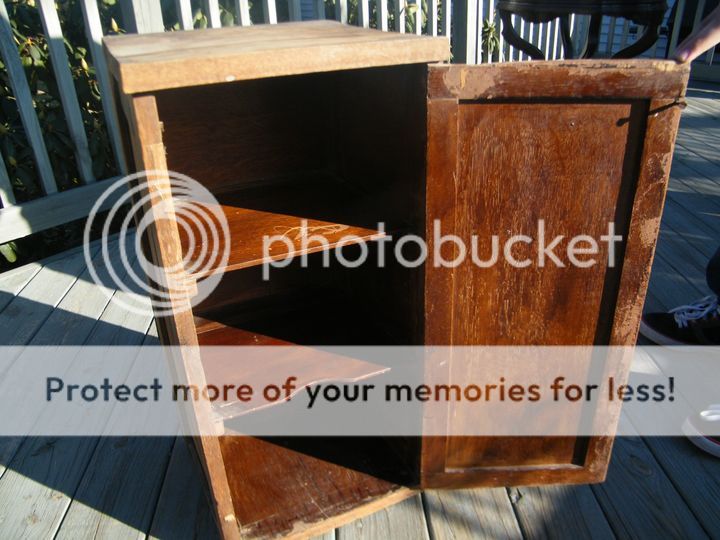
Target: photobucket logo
[
  {"x": 581, "y": 251},
  {"x": 123, "y": 263}
]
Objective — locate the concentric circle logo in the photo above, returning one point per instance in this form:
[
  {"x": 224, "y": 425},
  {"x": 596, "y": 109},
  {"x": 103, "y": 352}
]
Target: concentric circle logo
[{"x": 126, "y": 262}]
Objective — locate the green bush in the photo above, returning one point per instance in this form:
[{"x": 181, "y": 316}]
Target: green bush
[{"x": 33, "y": 49}]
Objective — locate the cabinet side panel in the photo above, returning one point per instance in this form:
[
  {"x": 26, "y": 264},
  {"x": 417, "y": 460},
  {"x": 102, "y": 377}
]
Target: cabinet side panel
[{"x": 177, "y": 329}]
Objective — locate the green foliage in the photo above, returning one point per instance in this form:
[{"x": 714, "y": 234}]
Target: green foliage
[
  {"x": 9, "y": 251},
  {"x": 33, "y": 49},
  {"x": 408, "y": 8},
  {"x": 490, "y": 40},
  {"x": 16, "y": 151}
]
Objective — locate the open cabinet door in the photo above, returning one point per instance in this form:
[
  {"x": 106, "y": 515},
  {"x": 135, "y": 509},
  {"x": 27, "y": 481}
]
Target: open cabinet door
[{"x": 578, "y": 145}]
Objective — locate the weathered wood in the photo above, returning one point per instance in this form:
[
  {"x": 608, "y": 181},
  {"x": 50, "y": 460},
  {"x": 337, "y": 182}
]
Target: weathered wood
[
  {"x": 142, "y": 16},
  {"x": 179, "y": 59},
  {"x": 364, "y": 13},
  {"x": 66, "y": 87},
  {"x": 52, "y": 210},
  {"x": 136, "y": 463},
  {"x": 636, "y": 486},
  {"x": 270, "y": 11},
  {"x": 399, "y": 15},
  {"x": 212, "y": 12},
  {"x": 559, "y": 512},
  {"x": 403, "y": 521},
  {"x": 25, "y": 314},
  {"x": 316, "y": 495},
  {"x": 183, "y": 511},
  {"x": 7, "y": 196},
  {"x": 243, "y": 10},
  {"x": 183, "y": 8},
  {"x": 577, "y": 78},
  {"x": 382, "y": 15},
  {"x": 12, "y": 284},
  {"x": 470, "y": 514},
  {"x": 94, "y": 34},
  {"x": 24, "y": 99},
  {"x": 45, "y": 471},
  {"x": 633, "y": 185},
  {"x": 178, "y": 328},
  {"x": 13, "y": 281}
]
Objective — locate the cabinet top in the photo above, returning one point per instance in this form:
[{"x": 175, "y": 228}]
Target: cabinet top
[{"x": 149, "y": 62}]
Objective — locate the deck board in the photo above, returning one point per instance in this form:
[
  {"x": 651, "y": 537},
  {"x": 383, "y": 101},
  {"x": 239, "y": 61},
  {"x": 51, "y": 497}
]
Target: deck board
[
  {"x": 45, "y": 472},
  {"x": 135, "y": 488},
  {"x": 471, "y": 513},
  {"x": 558, "y": 512}
]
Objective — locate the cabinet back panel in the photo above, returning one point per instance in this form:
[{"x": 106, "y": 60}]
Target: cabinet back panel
[{"x": 230, "y": 135}]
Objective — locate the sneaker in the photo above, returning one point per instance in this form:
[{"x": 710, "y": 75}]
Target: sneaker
[
  {"x": 694, "y": 324},
  {"x": 703, "y": 430}
]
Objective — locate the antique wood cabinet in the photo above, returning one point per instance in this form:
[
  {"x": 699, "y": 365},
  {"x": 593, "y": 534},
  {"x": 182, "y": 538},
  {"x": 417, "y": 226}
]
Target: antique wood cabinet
[{"x": 348, "y": 127}]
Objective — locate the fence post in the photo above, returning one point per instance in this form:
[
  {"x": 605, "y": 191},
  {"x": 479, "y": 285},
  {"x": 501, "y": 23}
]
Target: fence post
[
  {"x": 464, "y": 39},
  {"x": 142, "y": 16}
]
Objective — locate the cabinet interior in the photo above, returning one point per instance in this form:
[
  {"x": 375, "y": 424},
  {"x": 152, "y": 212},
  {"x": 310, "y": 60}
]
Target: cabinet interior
[{"x": 344, "y": 151}]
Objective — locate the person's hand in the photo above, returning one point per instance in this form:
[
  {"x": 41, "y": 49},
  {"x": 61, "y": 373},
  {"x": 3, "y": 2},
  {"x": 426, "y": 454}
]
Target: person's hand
[{"x": 703, "y": 39}]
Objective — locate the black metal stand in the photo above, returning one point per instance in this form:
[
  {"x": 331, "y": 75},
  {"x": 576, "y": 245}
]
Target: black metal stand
[{"x": 648, "y": 13}]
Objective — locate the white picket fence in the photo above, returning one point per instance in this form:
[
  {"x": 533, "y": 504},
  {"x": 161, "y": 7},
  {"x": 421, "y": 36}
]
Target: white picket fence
[{"x": 467, "y": 17}]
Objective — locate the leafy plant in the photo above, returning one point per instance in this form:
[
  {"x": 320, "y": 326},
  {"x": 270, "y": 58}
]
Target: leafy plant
[
  {"x": 490, "y": 41},
  {"x": 33, "y": 50}
]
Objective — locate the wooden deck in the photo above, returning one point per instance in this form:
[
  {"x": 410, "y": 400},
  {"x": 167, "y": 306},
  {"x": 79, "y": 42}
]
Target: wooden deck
[{"x": 148, "y": 487}]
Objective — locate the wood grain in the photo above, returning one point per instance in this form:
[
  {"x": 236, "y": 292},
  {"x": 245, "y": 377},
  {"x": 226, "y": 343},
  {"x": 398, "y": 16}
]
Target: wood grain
[
  {"x": 402, "y": 521},
  {"x": 471, "y": 513},
  {"x": 594, "y": 79},
  {"x": 304, "y": 213},
  {"x": 310, "y": 366},
  {"x": 178, "y": 329},
  {"x": 149, "y": 62},
  {"x": 546, "y": 161},
  {"x": 555, "y": 512},
  {"x": 315, "y": 495}
]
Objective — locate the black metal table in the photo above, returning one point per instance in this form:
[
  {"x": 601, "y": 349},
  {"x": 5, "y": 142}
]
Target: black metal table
[{"x": 648, "y": 13}]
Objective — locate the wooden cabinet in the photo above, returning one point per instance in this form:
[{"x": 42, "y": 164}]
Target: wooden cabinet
[{"x": 348, "y": 127}]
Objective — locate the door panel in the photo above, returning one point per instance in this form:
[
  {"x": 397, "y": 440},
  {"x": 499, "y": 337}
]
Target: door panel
[{"x": 576, "y": 145}]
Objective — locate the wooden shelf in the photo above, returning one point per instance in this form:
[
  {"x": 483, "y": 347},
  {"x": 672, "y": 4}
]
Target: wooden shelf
[
  {"x": 304, "y": 486},
  {"x": 310, "y": 366},
  {"x": 331, "y": 210}
]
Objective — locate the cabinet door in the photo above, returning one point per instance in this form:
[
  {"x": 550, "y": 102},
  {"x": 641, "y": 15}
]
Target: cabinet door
[{"x": 577, "y": 145}]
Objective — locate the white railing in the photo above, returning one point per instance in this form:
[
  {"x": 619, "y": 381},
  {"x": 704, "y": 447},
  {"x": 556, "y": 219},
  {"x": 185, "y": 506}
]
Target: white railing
[{"x": 469, "y": 45}]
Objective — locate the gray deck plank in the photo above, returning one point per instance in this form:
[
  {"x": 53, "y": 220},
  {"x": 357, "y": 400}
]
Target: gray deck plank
[
  {"x": 69, "y": 323},
  {"x": 45, "y": 472},
  {"x": 402, "y": 521},
  {"x": 695, "y": 474},
  {"x": 183, "y": 511},
  {"x": 471, "y": 513},
  {"x": 26, "y": 312},
  {"x": 13, "y": 281},
  {"x": 123, "y": 482},
  {"x": 560, "y": 512},
  {"x": 638, "y": 498}
]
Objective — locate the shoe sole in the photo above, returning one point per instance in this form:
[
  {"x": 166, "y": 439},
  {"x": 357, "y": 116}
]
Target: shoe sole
[
  {"x": 699, "y": 440},
  {"x": 659, "y": 338}
]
